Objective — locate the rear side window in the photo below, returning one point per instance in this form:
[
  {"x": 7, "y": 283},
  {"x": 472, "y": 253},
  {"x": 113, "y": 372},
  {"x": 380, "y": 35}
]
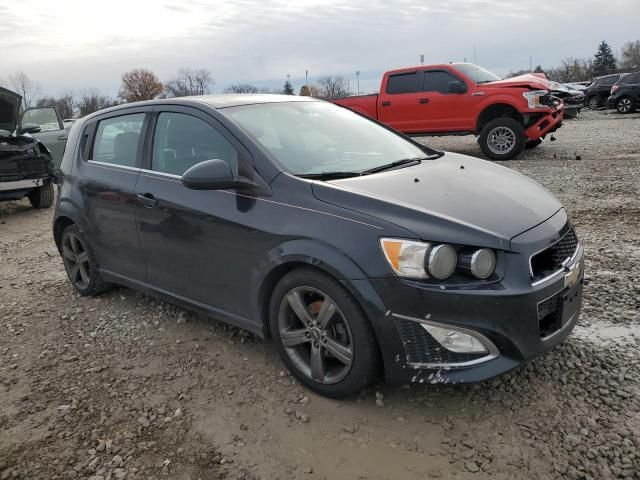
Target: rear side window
[
  {"x": 631, "y": 78},
  {"x": 182, "y": 141},
  {"x": 437, "y": 81},
  {"x": 403, "y": 83},
  {"x": 117, "y": 140}
]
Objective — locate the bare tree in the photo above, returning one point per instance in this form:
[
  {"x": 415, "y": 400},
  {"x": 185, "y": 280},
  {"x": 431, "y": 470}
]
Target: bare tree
[
  {"x": 140, "y": 84},
  {"x": 333, "y": 87},
  {"x": 92, "y": 100},
  {"x": 630, "y": 56},
  {"x": 571, "y": 70},
  {"x": 242, "y": 88},
  {"x": 189, "y": 82},
  {"x": 64, "y": 104},
  {"x": 25, "y": 87}
]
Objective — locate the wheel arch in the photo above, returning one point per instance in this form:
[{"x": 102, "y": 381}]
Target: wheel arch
[
  {"x": 497, "y": 110},
  {"x": 59, "y": 224}
]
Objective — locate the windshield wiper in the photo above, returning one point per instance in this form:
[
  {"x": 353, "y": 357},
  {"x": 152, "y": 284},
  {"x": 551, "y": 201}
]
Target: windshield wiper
[
  {"x": 329, "y": 175},
  {"x": 396, "y": 164}
]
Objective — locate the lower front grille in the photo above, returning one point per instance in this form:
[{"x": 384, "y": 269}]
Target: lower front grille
[
  {"x": 549, "y": 315},
  {"x": 550, "y": 260},
  {"x": 421, "y": 348}
]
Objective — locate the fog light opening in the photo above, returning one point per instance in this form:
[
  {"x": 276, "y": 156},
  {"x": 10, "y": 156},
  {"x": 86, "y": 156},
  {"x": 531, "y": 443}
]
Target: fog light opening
[{"x": 455, "y": 340}]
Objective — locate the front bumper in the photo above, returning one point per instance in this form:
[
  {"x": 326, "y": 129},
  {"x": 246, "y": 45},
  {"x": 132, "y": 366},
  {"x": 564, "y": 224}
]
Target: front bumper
[
  {"x": 519, "y": 320},
  {"x": 546, "y": 124}
]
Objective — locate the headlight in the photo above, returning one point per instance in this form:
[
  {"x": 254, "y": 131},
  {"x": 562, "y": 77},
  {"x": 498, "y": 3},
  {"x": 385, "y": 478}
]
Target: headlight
[
  {"x": 420, "y": 260},
  {"x": 480, "y": 263},
  {"x": 534, "y": 98}
]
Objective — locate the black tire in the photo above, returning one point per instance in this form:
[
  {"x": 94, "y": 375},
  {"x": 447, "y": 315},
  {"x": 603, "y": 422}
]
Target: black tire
[
  {"x": 364, "y": 366},
  {"x": 491, "y": 134},
  {"x": 593, "y": 102},
  {"x": 42, "y": 197},
  {"x": 86, "y": 279},
  {"x": 532, "y": 144},
  {"x": 624, "y": 105}
]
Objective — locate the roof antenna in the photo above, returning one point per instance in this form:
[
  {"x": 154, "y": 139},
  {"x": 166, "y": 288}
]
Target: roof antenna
[{"x": 475, "y": 60}]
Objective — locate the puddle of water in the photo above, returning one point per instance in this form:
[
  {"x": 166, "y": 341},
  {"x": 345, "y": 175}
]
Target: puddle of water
[{"x": 609, "y": 332}]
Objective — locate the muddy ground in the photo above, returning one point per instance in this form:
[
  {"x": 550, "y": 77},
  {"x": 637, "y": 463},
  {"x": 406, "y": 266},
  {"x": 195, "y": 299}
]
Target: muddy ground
[{"x": 124, "y": 386}]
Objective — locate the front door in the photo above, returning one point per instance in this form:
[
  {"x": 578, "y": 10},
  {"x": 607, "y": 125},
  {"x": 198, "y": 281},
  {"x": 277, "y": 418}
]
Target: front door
[
  {"x": 52, "y": 133},
  {"x": 444, "y": 111},
  {"x": 190, "y": 237},
  {"x": 106, "y": 177}
]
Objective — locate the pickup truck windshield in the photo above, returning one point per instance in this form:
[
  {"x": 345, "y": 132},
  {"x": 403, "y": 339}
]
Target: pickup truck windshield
[
  {"x": 476, "y": 73},
  {"x": 317, "y": 137}
]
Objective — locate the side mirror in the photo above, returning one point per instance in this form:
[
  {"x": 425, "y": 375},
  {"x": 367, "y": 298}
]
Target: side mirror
[
  {"x": 457, "y": 87},
  {"x": 29, "y": 128},
  {"x": 210, "y": 175}
]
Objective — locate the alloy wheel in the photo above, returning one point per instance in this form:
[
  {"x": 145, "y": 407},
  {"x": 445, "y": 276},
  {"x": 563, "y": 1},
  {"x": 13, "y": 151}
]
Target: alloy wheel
[
  {"x": 624, "y": 105},
  {"x": 315, "y": 335},
  {"x": 594, "y": 103},
  {"x": 501, "y": 140},
  {"x": 76, "y": 261}
]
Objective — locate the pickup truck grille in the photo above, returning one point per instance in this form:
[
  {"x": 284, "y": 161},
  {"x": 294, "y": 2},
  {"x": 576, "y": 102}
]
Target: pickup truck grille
[{"x": 550, "y": 260}]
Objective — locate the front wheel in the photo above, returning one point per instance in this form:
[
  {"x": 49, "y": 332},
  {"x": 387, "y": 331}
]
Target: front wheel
[
  {"x": 42, "y": 197},
  {"x": 322, "y": 335},
  {"x": 594, "y": 102},
  {"x": 624, "y": 105},
  {"x": 502, "y": 139}
]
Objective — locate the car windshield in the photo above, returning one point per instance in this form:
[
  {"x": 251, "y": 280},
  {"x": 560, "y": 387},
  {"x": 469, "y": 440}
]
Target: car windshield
[
  {"x": 310, "y": 138},
  {"x": 476, "y": 73}
]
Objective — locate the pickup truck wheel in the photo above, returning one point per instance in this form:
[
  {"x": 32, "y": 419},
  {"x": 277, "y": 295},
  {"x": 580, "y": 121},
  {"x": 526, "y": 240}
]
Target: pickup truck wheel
[
  {"x": 502, "y": 139},
  {"x": 532, "y": 144},
  {"x": 623, "y": 105},
  {"x": 42, "y": 197}
]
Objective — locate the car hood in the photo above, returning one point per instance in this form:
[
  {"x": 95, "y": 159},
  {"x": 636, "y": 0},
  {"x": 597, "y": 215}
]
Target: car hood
[
  {"x": 454, "y": 198},
  {"x": 9, "y": 106},
  {"x": 528, "y": 80}
]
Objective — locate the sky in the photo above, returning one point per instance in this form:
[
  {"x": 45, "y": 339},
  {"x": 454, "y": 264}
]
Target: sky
[{"x": 71, "y": 45}]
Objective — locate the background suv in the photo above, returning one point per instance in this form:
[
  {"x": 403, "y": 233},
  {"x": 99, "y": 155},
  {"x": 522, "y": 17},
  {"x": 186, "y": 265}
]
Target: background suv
[
  {"x": 599, "y": 90},
  {"x": 625, "y": 93}
]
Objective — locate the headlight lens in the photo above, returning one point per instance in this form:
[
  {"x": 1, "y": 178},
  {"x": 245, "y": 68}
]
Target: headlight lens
[
  {"x": 480, "y": 263},
  {"x": 442, "y": 261},
  {"x": 534, "y": 98},
  {"x": 406, "y": 257}
]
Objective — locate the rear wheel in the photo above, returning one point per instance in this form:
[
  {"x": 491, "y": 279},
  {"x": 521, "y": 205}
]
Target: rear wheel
[
  {"x": 593, "y": 102},
  {"x": 322, "y": 335},
  {"x": 624, "y": 105},
  {"x": 80, "y": 262},
  {"x": 502, "y": 139},
  {"x": 42, "y": 197}
]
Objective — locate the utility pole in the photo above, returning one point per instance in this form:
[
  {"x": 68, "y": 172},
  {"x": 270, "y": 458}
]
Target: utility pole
[
  {"x": 530, "y": 63},
  {"x": 358, "y": 80},
  {"x": 306, "y": 81},
  {"x": 422, "y": 59}
]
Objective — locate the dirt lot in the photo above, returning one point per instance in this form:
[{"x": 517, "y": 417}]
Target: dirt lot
[{"x": 124, "y": 386}]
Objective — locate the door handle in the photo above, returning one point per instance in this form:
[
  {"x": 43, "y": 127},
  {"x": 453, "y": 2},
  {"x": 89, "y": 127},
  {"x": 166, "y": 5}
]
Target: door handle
[
  {"x": 148, "y": 200},
  {"x": 386, "y": 104},
  {"x": 424, "y": 100},
  {"x": 62, "y": 137}
]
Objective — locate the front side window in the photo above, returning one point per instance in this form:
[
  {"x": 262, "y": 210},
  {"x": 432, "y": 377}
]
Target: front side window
[
  {"x": 438, "y": 81},
  {"x": 403, "y": 83},
  {"x": 46, "y": 118},
  {"x": 608, "y": 81},
  {"x": 182, "y": 141},
  {"x": 319, "y": 137},
  {"x": 117, "y": 139}
]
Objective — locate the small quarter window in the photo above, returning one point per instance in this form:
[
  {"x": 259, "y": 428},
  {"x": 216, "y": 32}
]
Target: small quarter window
[
  {"x": 403, "y": 83},
  {"x": 117, "y": 140},
  {"x": 182, "y": 141}
]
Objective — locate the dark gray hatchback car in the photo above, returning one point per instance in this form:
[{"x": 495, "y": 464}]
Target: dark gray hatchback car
[{"x": 360, "y": 252}]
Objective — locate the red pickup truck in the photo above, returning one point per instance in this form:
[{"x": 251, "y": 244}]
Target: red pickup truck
[{"x": 462, "y": 98}]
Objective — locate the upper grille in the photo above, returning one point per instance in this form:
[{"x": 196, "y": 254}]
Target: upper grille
[
  {"x": 420, "y": 347},
  {"x": 23, "y": 166},
  {"x": 550, "y": 260}
]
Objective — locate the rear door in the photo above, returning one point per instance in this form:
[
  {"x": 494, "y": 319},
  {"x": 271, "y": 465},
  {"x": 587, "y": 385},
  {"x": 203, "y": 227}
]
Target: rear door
[
  {"x": 443, "y": 111},
  {"x": 398, "y": 105},
  {"x": 52, "y": 133},
  {"x": 190, "y": 237},
  {"x": 111, "y": 147}
]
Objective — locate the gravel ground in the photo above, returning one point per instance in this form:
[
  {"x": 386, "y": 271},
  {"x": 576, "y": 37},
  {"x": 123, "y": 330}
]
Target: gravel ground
[{"x": 124, "y": 386}]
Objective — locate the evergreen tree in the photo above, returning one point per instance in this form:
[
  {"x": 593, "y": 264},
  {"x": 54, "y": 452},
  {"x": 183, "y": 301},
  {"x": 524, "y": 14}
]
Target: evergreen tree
[
  {"x": 604, "y": 61},
  {"x": 288, "y": 89},
  {"x": 538, "y": 69}
]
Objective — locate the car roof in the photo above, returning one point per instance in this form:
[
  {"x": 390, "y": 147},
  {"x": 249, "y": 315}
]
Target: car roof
[{"x": 215, "y": 101}]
